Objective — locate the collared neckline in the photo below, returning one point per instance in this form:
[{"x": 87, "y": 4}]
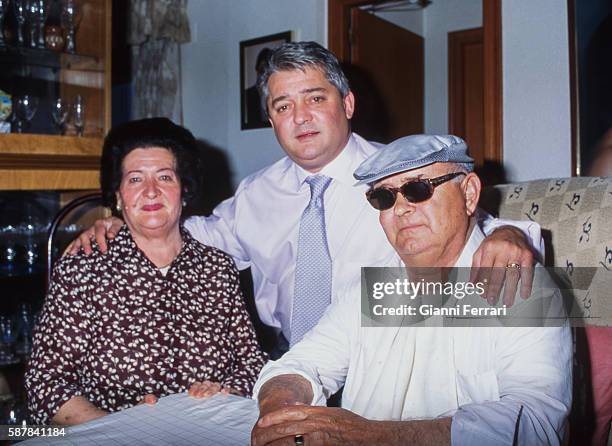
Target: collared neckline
[
  {"x": 465, "y": 258},
  {"x": 340, "y": 169},
  {"x": 473, "y": 243},
  {"x": 124, "y": 237}
]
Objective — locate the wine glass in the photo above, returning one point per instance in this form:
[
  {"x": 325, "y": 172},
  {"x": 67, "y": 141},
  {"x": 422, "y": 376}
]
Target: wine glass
[
  {"x": 69, "y": 23},
  {"x": 8, "y": 249},
  {"x": 43, "y": 13},
  {"x": 78, "y": 115},
  {"x": 59, "y": 113},
  {"x": 25, "y": 109},
  {"x": 3, "y": 7},
  {"x": 20, "y": 7},
  {"x": 7, "y": 339},
  {"x": 32, "y": 16},
  {"x": 25, "y": 324}
]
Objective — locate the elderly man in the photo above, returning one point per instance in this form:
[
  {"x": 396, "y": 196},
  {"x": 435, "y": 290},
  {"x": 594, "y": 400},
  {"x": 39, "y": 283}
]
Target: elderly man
[
  {"x": 419, "y": 385},
  {"x": 305, "y": 210}
]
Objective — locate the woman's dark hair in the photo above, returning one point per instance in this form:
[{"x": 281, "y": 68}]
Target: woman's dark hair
[{"x": 143, "y": 134}]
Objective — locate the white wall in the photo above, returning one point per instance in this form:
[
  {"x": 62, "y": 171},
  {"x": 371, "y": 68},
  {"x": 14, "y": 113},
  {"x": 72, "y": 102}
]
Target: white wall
[
  {"x": 204, "y": 72},
  {"x": 211, "y": 70},
  {"x": 537, "y": 125},
  {"x": 410, "y": 20}
]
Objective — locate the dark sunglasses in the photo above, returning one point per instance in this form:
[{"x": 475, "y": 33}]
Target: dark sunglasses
[{"x": 415, "y": 191}]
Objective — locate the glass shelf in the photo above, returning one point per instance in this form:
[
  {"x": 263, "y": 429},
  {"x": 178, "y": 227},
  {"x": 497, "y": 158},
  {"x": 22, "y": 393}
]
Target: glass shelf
[{"x": 16, "y": 55}]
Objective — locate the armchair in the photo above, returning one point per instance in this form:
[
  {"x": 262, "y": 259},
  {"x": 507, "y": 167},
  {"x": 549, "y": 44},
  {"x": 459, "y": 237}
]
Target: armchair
[{"x": 576, "y": 219}]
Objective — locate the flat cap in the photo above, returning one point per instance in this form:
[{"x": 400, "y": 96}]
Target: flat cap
[{"x": 412, "y": 152}]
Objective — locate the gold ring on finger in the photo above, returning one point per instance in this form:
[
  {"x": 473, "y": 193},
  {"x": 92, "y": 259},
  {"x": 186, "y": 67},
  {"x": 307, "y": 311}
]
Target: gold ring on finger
[
  {"x": 513, "y": 265},
  {"x": 299, "y": 440}
]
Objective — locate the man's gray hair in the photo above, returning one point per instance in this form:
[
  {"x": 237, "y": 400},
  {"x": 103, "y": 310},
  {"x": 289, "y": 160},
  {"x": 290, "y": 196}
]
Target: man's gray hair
[
  {"x": 299, "y": 56},
  {"x": 464, "y": 167}
]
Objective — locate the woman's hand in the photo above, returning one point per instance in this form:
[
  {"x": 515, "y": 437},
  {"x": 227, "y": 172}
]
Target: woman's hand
[
  {"x": 77, "y": 410},
  {"x": 149, "y": 399},
  {"x": 207, "y": 389}
]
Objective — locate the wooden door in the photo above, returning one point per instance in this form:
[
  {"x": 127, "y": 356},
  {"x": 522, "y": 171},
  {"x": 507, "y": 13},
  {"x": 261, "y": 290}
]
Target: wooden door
[
  {"x": 386, "y": 73},
  {"x": 466, "y": 90},
  {"x": 339, "y": 22}
]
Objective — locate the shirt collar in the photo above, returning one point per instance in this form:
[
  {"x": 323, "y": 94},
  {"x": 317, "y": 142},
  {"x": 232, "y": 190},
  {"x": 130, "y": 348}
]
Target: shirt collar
[
  {"x": 340, "y": 169},
  {"x": 475, "y": 239},
  {"x": 465, "y": 259},
  {"x": 137, "y": 256}
]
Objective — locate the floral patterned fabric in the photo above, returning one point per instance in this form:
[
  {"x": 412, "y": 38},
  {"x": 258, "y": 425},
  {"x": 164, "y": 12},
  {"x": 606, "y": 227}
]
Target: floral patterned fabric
[
  {"x": 575, "y": 215},
  {"x": 114, "y": 328}
]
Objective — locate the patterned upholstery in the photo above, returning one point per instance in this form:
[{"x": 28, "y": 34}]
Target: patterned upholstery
[{"x": 576, "y": 219}]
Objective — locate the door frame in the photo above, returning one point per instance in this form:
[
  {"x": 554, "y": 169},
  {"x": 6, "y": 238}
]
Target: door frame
[{"x": 338, "y": 22}]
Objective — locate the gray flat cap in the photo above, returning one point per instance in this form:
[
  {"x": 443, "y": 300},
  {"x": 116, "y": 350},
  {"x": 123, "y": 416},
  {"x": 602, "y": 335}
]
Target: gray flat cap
[{"x": 412, "y": 152}]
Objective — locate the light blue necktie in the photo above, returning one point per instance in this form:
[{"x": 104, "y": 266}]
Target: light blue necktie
[{"x": 313, "y": 268}]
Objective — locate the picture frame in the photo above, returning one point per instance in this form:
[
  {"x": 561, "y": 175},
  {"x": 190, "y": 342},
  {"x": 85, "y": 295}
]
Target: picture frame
[{"x": 251, "y": 52}]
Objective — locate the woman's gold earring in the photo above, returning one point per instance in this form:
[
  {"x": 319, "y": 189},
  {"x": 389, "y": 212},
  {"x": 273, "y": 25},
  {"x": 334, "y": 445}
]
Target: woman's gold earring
[
  {"x": 118, "y": 207},
  {"x": 184, "y": 203}
]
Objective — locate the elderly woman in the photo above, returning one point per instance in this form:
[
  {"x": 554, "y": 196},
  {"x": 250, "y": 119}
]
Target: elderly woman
[{"x": 159, "y": 313}]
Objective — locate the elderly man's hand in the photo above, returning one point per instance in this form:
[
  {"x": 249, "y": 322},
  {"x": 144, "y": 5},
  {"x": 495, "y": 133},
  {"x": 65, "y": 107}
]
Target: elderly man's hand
[
  {"x": 318, "y": 426},
  {"x": 102, "y": 229},
  {"x": 491, "y": 264}
]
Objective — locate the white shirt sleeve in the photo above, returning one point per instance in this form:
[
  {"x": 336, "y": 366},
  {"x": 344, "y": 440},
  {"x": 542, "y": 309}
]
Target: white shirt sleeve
[
  {"x": 531, "y": 229},
  {"x": 535, "y": 394},
  {"x": 219, "y": 230},
  {"x": 322, "y": 356}
]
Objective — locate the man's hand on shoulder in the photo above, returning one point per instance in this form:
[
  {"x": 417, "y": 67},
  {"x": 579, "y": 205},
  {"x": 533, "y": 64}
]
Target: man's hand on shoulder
[
  {"x": 103, "y": 229},
  {"x": 504, "y": 255}
]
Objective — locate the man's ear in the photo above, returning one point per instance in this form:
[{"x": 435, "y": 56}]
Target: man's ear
[
  {"x": 471, "y": 187},
  {"x": 349, "y": 105}
]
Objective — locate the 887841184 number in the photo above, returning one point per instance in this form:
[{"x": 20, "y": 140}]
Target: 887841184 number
[{"x": 23, "y": 432}]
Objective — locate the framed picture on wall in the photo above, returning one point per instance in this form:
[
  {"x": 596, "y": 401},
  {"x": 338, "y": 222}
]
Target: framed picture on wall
[{"x": 253, "y": 54}]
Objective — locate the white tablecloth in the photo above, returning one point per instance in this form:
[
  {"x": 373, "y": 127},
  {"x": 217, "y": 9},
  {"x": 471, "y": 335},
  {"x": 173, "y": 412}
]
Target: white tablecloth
[{"x": 224, "y": 420}]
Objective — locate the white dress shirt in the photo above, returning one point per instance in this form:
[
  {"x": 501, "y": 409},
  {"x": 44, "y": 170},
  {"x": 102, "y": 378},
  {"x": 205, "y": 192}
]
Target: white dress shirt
[
  {"x": 259, "y": 227},
  {"x": 479, "y": 376}
]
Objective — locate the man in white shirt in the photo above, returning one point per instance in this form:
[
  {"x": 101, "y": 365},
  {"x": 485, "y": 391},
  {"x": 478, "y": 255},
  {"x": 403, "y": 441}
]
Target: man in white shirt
[
  {"x": 309, "y": 104},
  {"x": 419, "y": 385}
]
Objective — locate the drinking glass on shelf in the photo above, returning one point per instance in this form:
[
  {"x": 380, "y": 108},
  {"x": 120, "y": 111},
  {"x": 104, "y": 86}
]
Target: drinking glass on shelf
[
  {"x": 43, "y": 13},
  {"x": 25, "y": 109},
  {"x": 7, "y": 339},
  {"x": 3, "y": 8},
  {"x": 59, "y": 113},
  {"x": 25, "y": 324},
  {"x": 78, "y": 115},
  {"x": 69, "y": 23},
  {"x": 31, "y": 228},
  {"x": 20, "y": 7},
  {"x": 32, "y": 18},
  {"x": 8, "y": 249}
]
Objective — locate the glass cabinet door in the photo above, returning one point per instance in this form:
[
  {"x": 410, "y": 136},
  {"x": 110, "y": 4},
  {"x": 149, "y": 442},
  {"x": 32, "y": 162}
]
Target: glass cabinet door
[{"x": 55, "y": 79}]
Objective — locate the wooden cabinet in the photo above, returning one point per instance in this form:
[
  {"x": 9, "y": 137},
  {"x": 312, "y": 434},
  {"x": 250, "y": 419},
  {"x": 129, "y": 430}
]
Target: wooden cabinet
[{"x": 43, "y": 159}]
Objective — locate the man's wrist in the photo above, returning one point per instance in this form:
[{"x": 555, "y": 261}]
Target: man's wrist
[{"x": 284, "y": 390}]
